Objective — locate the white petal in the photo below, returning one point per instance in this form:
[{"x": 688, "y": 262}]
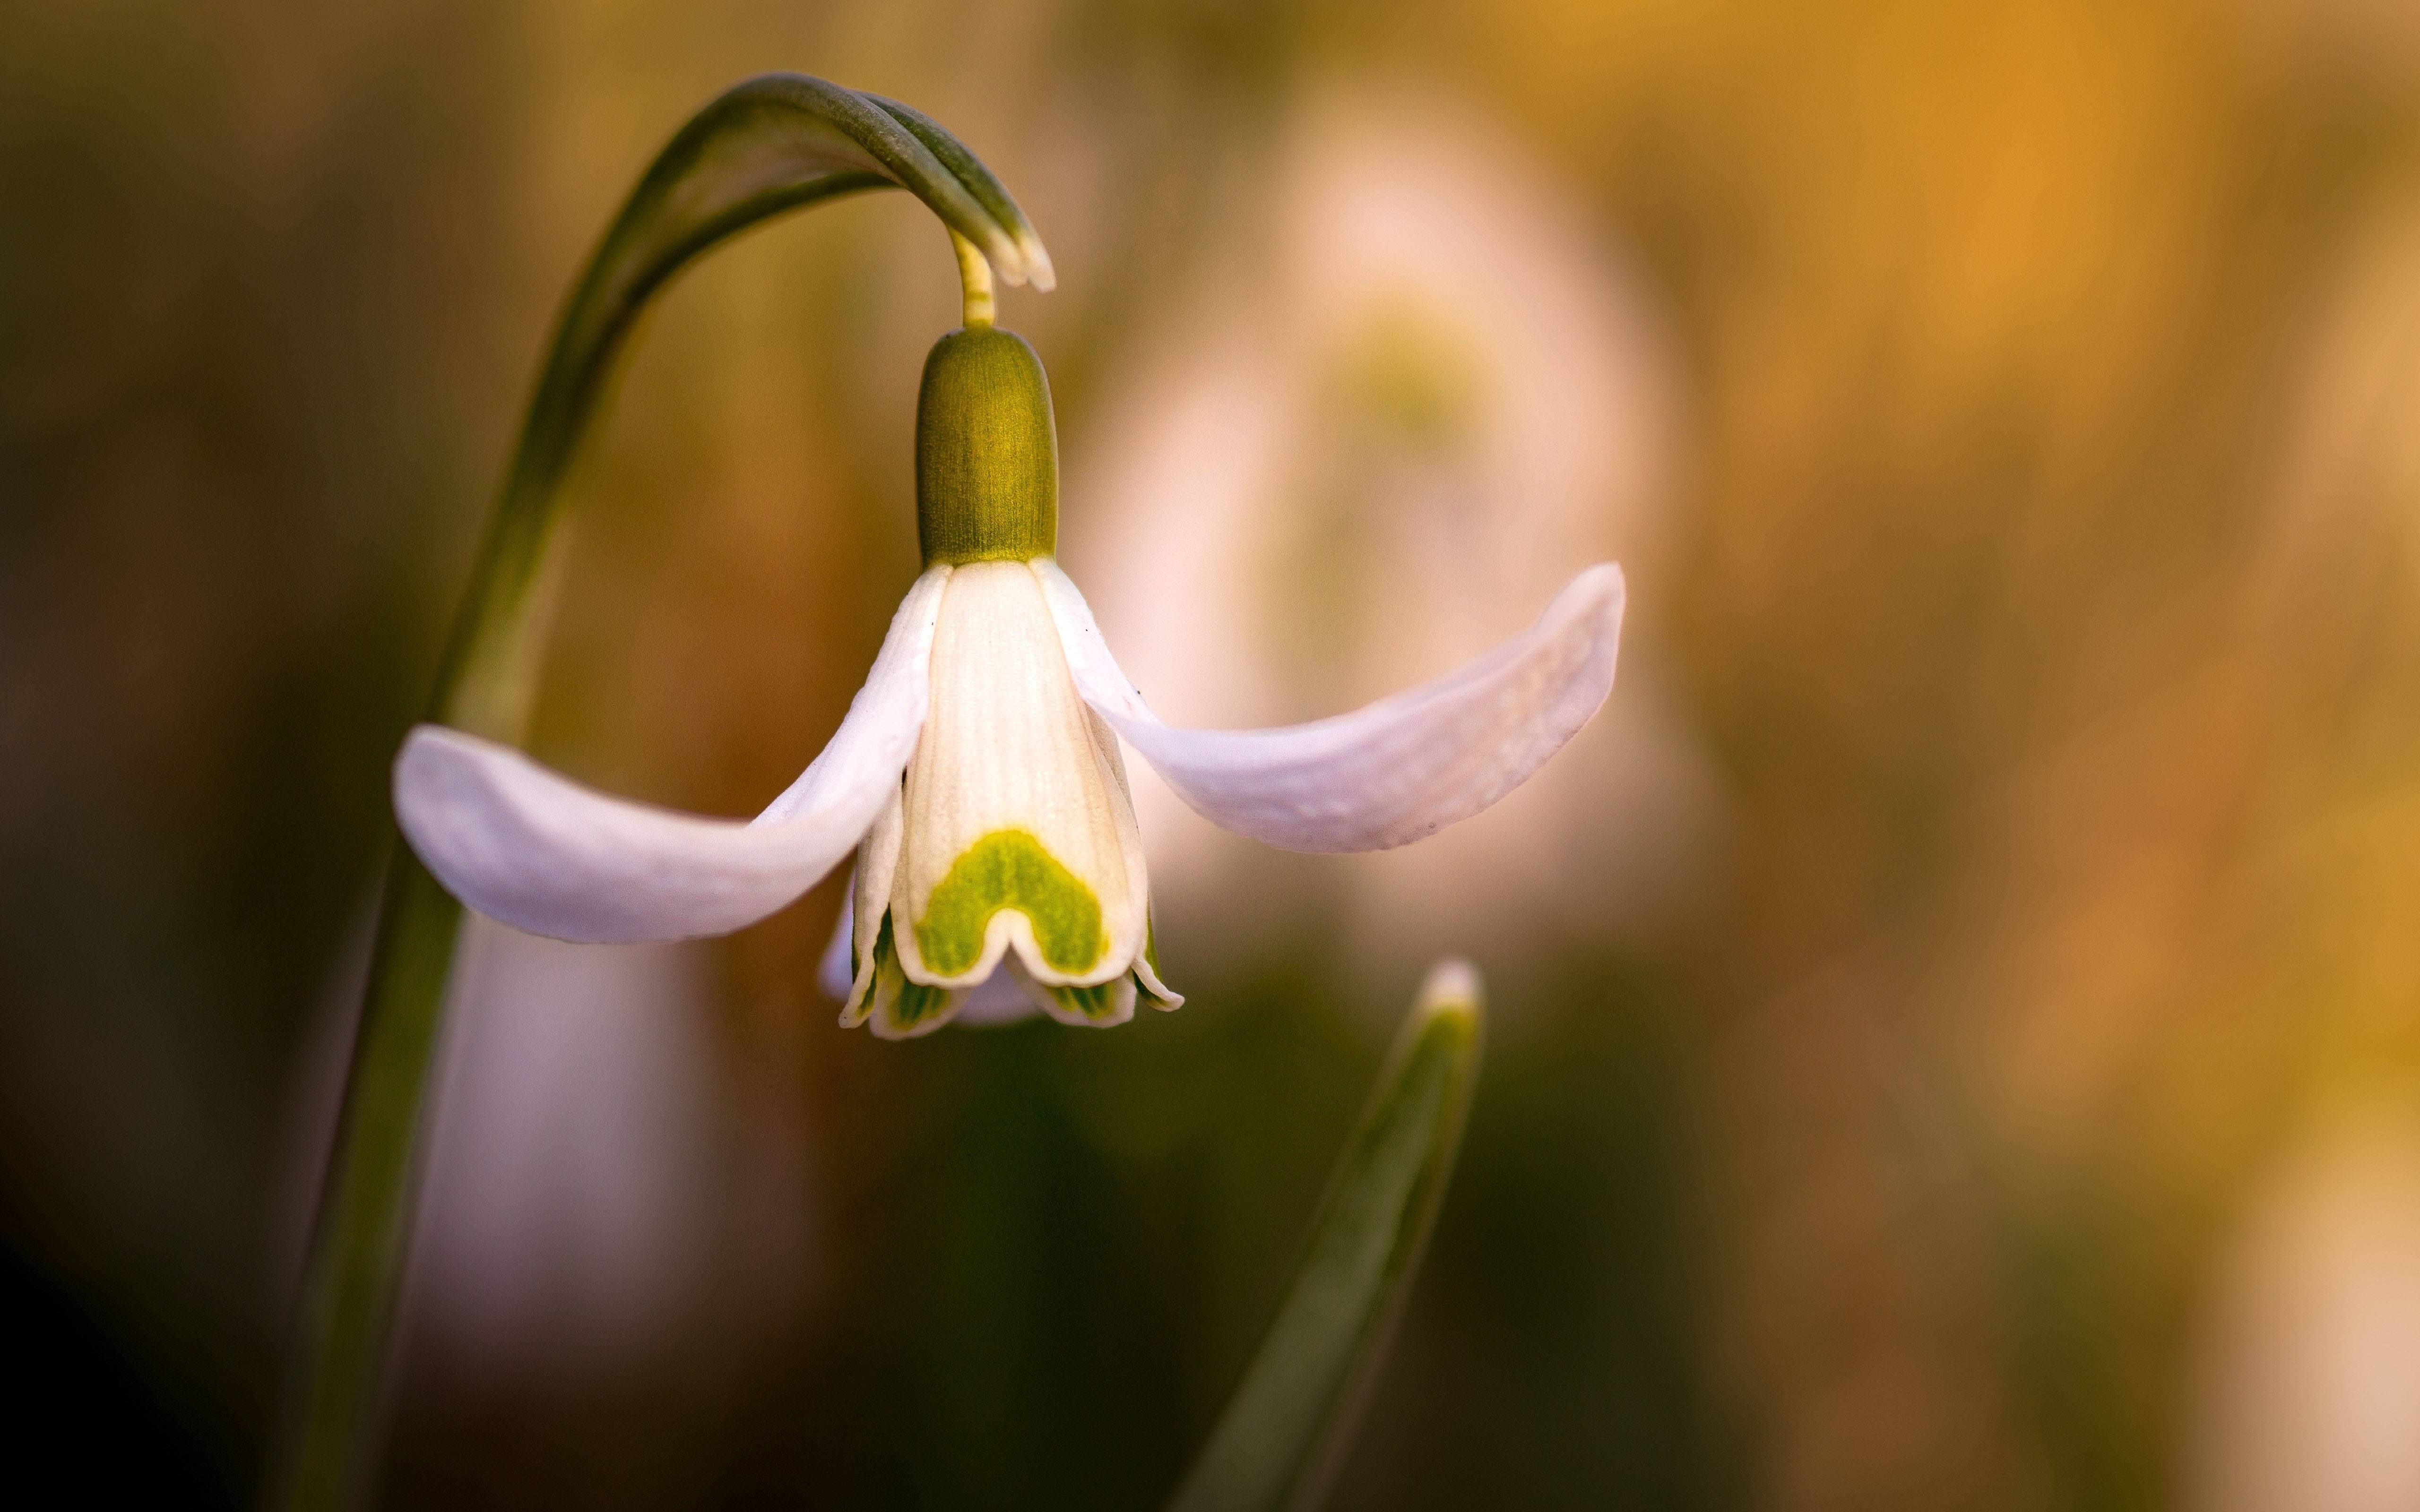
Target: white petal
[
  {"x": 883, "y": 1018},
  {"x": 1098, "y": 677},
  {"x": 540, "y": 851},
  {"x": 1399, "y": 769},
  {"x": 871, "y": 747},
  {"x": 846, "y": 971},
  {"x": 1011, "y": 750}
]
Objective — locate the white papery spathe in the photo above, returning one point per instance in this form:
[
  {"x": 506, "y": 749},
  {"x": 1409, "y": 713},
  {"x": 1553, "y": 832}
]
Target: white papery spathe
[{"x": 968, "y": 724}]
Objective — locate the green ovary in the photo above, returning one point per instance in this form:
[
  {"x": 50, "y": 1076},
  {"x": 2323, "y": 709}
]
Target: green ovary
[{"x": 1008, "y": 869}]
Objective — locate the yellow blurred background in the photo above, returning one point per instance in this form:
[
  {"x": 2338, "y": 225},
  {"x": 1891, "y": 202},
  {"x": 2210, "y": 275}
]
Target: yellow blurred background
[{"x": 1957, "y": 1036}]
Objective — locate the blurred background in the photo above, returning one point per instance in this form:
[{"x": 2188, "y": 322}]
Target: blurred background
[{"x": 1957, "y": 1035}]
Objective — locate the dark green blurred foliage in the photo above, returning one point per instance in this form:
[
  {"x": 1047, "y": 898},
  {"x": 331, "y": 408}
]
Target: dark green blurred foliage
[{"x": 98, "y": 1433}]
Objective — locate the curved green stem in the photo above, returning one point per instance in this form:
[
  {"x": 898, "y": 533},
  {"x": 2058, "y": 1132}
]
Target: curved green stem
[{"x": 768, "y": 145}]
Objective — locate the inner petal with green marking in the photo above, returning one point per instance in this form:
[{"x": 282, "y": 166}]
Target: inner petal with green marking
[
  {"x": 1008, "y": 869},
  {"x": 1015, "y": 833}
]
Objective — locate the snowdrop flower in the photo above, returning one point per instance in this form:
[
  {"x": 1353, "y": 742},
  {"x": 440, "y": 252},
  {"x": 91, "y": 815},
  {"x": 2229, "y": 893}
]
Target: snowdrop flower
[{"x": 979, "y": 774}]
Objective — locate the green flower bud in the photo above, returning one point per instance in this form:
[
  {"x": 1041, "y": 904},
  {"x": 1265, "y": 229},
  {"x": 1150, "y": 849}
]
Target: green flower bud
[{"x": 986, "y": 451}]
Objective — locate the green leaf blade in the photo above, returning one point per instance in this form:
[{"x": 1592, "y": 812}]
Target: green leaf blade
[{"x": 1279, "y": 1441}]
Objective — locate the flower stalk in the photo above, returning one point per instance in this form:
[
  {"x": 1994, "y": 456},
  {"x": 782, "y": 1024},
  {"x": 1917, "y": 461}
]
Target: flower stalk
[{"x": 975, "y": 278}]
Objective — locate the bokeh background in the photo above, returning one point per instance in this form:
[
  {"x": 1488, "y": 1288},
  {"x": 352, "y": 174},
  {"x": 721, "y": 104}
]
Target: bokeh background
[{"x": 1957, "y": 1033}]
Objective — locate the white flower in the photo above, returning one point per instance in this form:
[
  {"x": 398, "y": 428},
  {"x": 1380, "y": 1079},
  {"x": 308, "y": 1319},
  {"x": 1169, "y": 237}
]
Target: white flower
[{"x": 978, "y": 774}]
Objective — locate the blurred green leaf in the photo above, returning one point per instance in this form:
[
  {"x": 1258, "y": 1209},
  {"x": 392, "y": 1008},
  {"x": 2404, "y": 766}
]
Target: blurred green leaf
[
  {"x": 770, "y": 144},
  {"x": 1285, "y": 1428}
]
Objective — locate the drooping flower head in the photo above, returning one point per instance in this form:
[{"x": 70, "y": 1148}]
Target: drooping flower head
[{"x": 979, "y": 774}]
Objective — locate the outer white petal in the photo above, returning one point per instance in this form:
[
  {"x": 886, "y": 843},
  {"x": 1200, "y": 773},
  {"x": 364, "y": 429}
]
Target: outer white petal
[
  {"x": 540, "y": 851},
  {"x": 869, "y": 751},
  {"x": 1395, "y": 771}
]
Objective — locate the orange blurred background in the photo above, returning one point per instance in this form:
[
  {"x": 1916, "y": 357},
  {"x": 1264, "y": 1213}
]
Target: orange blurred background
[{"x": 1957, "y": 1014}]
